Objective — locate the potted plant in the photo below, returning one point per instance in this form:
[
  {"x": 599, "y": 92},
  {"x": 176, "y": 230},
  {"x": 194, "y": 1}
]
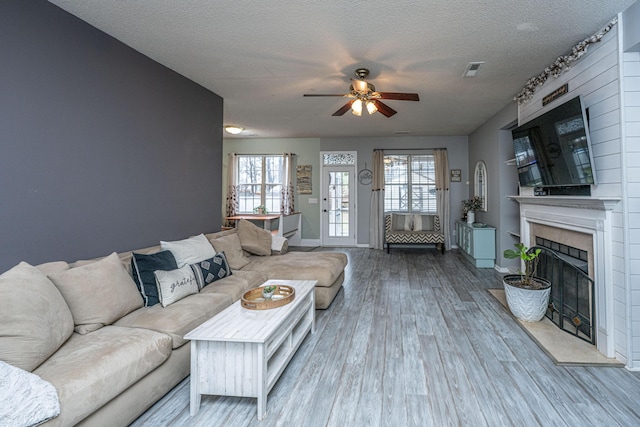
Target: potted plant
[
  {"x": 262, "y": 209},
  {"x": 527, "y": 295},
  {"x": 267, "y": 291},
  {"x": 470, "y": 206}
]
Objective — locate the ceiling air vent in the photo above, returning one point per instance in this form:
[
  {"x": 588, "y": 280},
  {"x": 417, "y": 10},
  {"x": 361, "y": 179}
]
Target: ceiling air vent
[{"x": 472, "y": 69}]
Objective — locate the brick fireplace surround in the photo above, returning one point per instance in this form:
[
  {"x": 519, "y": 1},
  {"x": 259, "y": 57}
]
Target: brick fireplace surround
[{"x": 584, "y": 223}]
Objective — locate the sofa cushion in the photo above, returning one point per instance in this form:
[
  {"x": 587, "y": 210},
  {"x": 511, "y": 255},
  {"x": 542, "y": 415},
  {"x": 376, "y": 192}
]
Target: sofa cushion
[
  {"x": 53, "y": 267},
  {"x": 179, "y": 318},
  {"x": 176, "y": 284},
  {"x": 142, "y": 268},
  {"x": 423, "y": 222},
  {"x": 210, "y": 270},
  {"x": 235, "y": 286},
  {"x": 98, "y": 293},
  {"x": 34, "y": 318},
  {"x": 325, "y": 267},
  {"x": 230, "y": 245},
  {"x": 254, "y": 239},
  {"x": 401, "y": 222},
  {"x": 191, "y": 250},
  {"x": 90, "y": 370}
]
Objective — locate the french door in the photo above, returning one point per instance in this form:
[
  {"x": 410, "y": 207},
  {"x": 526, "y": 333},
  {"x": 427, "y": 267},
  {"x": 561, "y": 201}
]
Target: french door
[{"x": 338, "y": 214}]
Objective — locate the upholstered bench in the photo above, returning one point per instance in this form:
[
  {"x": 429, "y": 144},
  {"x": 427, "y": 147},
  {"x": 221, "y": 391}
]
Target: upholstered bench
[{"x": 413, "y": 229}]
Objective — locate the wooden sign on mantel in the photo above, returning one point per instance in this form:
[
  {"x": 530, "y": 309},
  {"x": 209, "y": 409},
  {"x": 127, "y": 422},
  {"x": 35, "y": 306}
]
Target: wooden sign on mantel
[{"x": 562, "y": 90}]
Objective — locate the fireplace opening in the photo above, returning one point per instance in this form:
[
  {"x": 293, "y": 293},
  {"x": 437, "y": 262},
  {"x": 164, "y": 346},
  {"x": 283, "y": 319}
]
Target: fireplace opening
[{"x": 571, "y": 303}]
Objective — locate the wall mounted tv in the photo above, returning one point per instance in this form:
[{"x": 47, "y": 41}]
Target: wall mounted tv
[{"x": 554, "y": 149}]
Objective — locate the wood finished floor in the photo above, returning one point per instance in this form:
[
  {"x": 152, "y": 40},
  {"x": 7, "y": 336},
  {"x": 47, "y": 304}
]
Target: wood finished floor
[{"x": 414, "y": 339}]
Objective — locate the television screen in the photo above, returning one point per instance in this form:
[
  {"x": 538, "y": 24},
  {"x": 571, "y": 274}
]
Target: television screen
[{"x": 554, "y": 149}]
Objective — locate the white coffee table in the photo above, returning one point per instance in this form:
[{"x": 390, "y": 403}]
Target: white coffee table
[{"x": 242, "y": 352}]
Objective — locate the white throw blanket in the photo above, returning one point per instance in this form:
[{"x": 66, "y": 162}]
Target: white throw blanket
[
  {"x": 25, "y": 398},
  {"x": 279, "y": 244}
]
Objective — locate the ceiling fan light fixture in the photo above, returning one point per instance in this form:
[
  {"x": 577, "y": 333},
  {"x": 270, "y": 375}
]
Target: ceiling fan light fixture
[
  {"x": 371, "y": 107},
  {"x": 356, "y": 107},
  {"x": 233, "y": 130}
]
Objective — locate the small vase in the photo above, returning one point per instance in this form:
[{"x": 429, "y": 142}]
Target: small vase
[
  {"x": 267, "y": 295},
  {"x": 471, "y": 217}
]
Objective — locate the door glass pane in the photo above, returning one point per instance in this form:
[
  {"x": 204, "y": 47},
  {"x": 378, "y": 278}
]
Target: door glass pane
[{"x": 338, "y": 204}]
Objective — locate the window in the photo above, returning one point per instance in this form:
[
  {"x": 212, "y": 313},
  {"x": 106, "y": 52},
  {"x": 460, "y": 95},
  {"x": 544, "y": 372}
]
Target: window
[
  {"x": 410, "y": 183},
  {"x": 260, "y": 182}
]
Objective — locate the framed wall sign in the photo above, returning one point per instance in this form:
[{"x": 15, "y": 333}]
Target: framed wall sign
[{"x": 456, "y": 175}]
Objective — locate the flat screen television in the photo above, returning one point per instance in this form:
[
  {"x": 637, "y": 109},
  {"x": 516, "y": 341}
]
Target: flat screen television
[{"x": 554, "y": 149}]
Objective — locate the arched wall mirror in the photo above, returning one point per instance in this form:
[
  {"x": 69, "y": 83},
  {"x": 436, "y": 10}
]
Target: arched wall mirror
[{"x": 480, "y": 180}]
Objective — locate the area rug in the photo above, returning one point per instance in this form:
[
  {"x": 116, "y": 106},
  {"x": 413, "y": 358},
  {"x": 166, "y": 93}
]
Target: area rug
[{"x": 562, "y": 348}]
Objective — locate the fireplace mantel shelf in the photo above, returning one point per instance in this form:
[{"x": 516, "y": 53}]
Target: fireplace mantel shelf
[{"x": 577, "y": 202}]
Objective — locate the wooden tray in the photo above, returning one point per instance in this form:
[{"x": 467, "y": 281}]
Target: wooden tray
[{"x": 253, "y": 299}]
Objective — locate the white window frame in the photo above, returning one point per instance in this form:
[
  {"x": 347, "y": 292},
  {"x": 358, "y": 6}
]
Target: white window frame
[
  {"x": 263, "y": 184},
  {"x": 408, "y": 183}
]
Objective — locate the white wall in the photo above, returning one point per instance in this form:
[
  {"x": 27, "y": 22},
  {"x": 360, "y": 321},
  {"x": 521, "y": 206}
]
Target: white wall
[
  {"x": 631, "y": 149},
  {"x": 596, "y": 76}
]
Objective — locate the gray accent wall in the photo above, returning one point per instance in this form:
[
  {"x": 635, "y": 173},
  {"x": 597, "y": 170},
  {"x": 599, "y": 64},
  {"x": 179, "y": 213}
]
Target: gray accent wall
[
  {"x": 492, "y": 143},
  {"x": 101, "y": 148}
]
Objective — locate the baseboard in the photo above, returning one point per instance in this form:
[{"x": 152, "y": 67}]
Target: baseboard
[
  {"x": 310, "y": 242},
  {"x": 363, "y": 245},
  {"x": 503, "y": 270}
]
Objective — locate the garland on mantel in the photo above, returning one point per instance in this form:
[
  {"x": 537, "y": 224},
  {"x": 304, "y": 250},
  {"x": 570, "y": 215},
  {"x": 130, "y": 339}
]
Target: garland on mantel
[{"x": 562, "y": 64}]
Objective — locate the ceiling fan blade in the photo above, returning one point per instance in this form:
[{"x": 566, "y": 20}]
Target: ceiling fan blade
[
  {"x": 324, "y": 94},
  {"x": 400, "y": 96},
  {"x": 384, "y": 109},
  {"x": 343, "y": 109}
]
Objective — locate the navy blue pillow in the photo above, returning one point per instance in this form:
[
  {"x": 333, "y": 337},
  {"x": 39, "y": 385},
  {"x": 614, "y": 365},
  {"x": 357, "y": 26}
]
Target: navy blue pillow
[
  {"x": 142, "y": 268},
  {"x": 211, "y": 269}
]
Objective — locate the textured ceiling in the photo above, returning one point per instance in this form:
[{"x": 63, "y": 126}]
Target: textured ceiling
[{"x": 261, "y": 56}]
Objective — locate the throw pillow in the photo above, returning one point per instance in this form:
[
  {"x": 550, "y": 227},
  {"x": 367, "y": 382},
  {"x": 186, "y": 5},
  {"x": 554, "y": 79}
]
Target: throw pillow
[
  {"x": 98, "y": 294},
  {"x": 142, "y": 268},
  {"x": 401, "y": 222},
  {"x": 230, "y": 245},
  {"x": 175, "y": 284},
  {"x": 254, "y": 239},
  {"x": 34, "y": 318},
  {"x": 191, "y": 250},
  {"x": 423, "y": 222},
  {"x": 210, "y": 270}
]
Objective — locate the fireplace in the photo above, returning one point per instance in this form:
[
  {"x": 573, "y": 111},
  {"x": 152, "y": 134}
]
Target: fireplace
[
  {"x": 585, "y": 225},
  {"x": 571, "y": 302}
]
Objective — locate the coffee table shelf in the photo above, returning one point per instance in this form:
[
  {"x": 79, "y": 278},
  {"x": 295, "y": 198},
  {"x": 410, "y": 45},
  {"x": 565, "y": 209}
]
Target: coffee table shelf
[{"x": 242, "y": 352}]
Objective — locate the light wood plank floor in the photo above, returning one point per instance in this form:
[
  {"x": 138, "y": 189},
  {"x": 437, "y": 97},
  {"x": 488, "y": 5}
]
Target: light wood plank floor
[{"x": 414, "y": 339}]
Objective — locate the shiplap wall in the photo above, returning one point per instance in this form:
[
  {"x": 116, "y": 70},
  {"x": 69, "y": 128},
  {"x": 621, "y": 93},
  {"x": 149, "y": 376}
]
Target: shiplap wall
[
  {"x": 596, "y": 76},
  {"x": 631, "y": 146}
]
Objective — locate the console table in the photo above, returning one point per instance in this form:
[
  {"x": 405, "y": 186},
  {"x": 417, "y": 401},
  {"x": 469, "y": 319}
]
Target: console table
[
  {"x": 242, "y": 352},
  {"x": 478, "y": 244}
]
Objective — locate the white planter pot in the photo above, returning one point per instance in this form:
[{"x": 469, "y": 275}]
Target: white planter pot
[
  {"x": 529, "y": 305},
  {"x": 471, "y": 217}
]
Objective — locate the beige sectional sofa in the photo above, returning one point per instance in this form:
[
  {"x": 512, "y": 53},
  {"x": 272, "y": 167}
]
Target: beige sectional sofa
[{"x": 127, "y": 356}]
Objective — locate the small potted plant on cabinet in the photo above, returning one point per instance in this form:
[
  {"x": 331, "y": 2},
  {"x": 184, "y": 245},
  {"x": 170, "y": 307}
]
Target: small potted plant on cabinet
[
  {"x": 527, "y": 295},
  {"x": 470, "y": 207}
]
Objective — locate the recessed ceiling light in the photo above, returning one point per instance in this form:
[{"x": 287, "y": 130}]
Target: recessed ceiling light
[
  {"x": 233, "y": 130},
  {"x": 472, "y": 69}
]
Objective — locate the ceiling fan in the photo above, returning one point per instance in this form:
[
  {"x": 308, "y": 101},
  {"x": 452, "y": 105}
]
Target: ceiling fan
[{"x": 363, "y": 95}]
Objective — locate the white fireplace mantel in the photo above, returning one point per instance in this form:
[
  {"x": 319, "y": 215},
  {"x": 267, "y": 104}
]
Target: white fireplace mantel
[
  {"x": 576, "y": 202},
  {"x": 587, "y": 215}
]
